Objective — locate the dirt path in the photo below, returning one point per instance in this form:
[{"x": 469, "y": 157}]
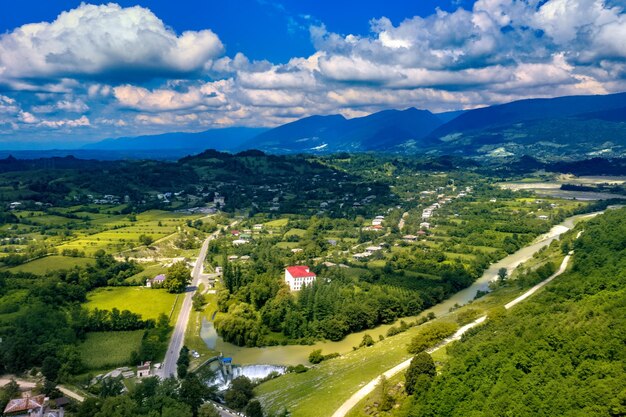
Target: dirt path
[{"x": 30, "y": 384}]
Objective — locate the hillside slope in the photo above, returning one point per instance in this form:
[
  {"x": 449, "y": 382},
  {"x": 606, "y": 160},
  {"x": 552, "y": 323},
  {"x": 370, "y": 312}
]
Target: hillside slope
[{"x": 561, "y": 353}]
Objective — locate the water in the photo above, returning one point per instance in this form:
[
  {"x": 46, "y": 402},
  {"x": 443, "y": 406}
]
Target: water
[
  {"x": 296, "y": 354},
  {"x": 252, "y": 372}
]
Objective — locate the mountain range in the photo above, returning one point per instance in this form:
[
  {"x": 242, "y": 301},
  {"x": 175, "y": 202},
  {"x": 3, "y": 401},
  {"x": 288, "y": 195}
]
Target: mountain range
[{"x": 573, "y": 127}]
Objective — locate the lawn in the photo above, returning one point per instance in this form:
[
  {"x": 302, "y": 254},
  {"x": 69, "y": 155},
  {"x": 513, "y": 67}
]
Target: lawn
[
  {"x": 105, "y": 350},
  {"x": 145, "y": 301},
  {"x": 277, "y": 223},
  {"x": 50, "y": 263}
]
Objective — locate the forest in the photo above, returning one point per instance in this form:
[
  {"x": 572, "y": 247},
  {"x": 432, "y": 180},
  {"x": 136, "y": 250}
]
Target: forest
[{"x": 559, "y": 353}]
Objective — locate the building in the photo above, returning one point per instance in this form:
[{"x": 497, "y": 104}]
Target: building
[
  {"x": 36, "y": 406},
  {"x": 425, "y": 225},
  {"x": 144, "y": 370},
  {"x": 156, "y": 281},
  {"x": 298, "y": 276}
]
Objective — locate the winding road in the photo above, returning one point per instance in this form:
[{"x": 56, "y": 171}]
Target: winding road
[{"x": 370, "y": 386}]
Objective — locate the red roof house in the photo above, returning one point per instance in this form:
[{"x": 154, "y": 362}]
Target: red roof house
[
  {"x": 298, "y": 276},
  {"x": 25, "y": 406}
]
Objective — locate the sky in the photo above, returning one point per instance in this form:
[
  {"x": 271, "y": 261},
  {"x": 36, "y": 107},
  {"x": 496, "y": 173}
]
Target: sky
[{"x": 73, "y": 73}]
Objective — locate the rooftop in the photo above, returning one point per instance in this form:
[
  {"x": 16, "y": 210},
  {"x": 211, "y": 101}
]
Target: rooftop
[{"x": 300, "y": 271}]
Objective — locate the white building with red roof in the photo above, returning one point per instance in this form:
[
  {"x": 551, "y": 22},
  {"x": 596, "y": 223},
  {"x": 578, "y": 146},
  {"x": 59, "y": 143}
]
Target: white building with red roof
[{"x": 298, "y": 276}]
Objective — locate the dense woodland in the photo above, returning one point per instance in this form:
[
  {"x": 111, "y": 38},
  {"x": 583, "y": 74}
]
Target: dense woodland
[{"x": 560, "y": 353}]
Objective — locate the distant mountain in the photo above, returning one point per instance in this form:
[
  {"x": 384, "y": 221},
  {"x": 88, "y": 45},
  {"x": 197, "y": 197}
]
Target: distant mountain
[
  {"x": 226, "y": 139},
  {"x": 321, "y": 134},
  {"x": 573, "y": 127}
]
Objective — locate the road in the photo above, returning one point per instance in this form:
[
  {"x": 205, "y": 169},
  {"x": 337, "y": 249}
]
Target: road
[
  {"x": 30, "y": 384},
  {"x": 358, "y": 396},
  {"x": 168, "y": 367}
]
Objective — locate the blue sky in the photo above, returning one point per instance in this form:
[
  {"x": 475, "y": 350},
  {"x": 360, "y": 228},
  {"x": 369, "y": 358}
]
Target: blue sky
[
  {"x": 73, "y": 72},
  {"x": 280, "y": 28}
]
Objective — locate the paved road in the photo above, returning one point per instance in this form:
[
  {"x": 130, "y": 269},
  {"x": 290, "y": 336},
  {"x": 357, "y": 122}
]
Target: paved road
[
  {"x": 30, "y": 384},
  {"x": 370, "y": 386},
  {"x": 168, "y": 368}
]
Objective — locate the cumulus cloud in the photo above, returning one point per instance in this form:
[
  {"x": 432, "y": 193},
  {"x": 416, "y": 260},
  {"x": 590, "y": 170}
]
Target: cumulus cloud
[
  {"x": 122, "y": 70},
  {"x": 102, "y": 42},
  {"x": 56, "y": 124}
]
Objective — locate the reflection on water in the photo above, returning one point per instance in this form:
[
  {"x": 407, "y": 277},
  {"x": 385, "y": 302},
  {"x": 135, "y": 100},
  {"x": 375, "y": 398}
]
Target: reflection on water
[{"x": 296, "y": 354}]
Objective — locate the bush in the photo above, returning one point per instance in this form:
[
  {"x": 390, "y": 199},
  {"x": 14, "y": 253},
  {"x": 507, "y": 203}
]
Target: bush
[{"x": 432, "y": 334}]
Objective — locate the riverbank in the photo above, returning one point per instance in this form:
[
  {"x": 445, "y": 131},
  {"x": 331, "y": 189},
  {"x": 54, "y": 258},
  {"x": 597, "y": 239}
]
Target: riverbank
[
  {"x": 298, "y": 354},
  {"x": 324, "y": 388}
]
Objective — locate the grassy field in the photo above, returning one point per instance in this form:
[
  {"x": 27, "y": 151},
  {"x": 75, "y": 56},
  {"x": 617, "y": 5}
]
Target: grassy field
[
  {"x": 117, "y": 345},
  {"x": 324, "y": 387},
  {"x": 50, "y": 263},
  {"x": 277, "y": 223},
  {"x": 145, "y": 301}
]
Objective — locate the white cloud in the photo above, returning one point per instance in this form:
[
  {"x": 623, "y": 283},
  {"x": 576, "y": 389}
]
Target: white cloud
[
  {"x": 104, "y": 59},
  {"x": 105, "y": 41},
  {"x": 56, "y": 124}
]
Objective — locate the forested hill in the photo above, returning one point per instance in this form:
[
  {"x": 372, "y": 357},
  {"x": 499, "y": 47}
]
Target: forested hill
[{"x": 561, "y": 353}]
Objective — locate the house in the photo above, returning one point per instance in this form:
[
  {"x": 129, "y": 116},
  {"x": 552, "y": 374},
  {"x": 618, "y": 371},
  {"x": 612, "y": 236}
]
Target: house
[
  {"x": 144, "y": 370},
  {"x": 298, "y": 276},
  {"x": 361, "y": 256},
  {"x": 421, "y": 233},
  {"x": 234, "y": 232},
  {"x": 258, "y": 227},
  {"x": 14, "y": 205},
  {"x": 425, "y": 225},
  {"x": 373, "y": 248},
  {"x": 27, "y": 407},
  {"x": 542, "y": 217},
  {"x": 239, "y": 242},
  {"x": 156, "y": 281},
  {"x": 218, "y": 200},
  {"x": 296, "y": 250},
  {"x": 410, "y": 238}
]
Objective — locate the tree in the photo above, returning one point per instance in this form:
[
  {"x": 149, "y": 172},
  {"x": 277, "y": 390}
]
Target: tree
[
  {"x": 366, "y": 341},
  {"x": 316, "y": 356},
  {"x": 386, "y": 400},
  {"x": 421, "y": 365},
  {"x": 146, "y": 240},
  {"x": 177, "y": 278},
  {"x": 198, "y": 301},
  {"x": 50, "y": 368},
  {"x": 208, "y": 410},
  {"x": 111, "y": 387},
  {"x": 9, "y": 391},
  {"x": 183, "y": 362},
  {"x": 194, "y": 392},
  {"x": 239, "y": 393},
  {"x": 502, "y": 274},
  {"x": 254, "y": 409}
]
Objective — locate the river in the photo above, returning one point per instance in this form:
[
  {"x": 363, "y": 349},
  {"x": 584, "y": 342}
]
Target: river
[{"x": 296, "y": 354}]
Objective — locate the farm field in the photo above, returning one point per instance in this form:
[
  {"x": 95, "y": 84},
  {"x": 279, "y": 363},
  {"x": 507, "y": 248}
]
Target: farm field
[
  {"x": 117, "y": 345},
  {"x": 50, "y": 263},
  {"x": 148, "y": 302}
]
